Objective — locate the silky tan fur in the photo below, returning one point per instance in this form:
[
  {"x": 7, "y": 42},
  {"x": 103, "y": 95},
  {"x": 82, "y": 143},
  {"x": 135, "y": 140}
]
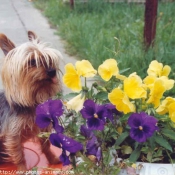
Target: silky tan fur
[{"x": 30, "y": 76}]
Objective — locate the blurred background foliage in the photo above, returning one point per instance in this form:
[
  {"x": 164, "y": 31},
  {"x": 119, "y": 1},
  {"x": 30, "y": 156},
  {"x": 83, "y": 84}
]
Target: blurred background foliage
[{"x": 97, "y": 30}]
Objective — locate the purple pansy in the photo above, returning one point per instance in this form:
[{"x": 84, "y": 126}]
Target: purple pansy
[
  {"x": 48, "y": 112},
  {"x": 95, "y": 115},
  {"x": 111, "y": 111},
  {"x": 87, "y": 133},
  {"x": 93, "y": 148},
  {"x": 142, "y": 126},
  {"x": 64, "y": 158},
  {"x": 67, "y": 144}
]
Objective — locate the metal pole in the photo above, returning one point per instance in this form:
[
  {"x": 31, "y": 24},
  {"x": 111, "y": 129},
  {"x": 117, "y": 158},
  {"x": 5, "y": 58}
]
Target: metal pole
[
  {"x": 72, "y": 4},
  {"x": 150, "y": 22}
]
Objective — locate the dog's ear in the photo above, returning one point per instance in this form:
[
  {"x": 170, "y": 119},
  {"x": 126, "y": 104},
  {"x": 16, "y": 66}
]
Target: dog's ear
[
  {"x": 32, "y": 36},
  {"x": 5, "y": 44}
]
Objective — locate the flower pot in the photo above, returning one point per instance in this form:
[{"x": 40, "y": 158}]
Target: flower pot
[{"x": 152, "y": 169}]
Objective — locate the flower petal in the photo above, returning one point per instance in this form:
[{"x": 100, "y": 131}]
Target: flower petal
[
  {"x": 88, "y": 110},
  {"x": 55, "y": 140},
  {"x": 155, "y": 68},
  {"x": 86, "y": 132},
  {"x": 101, "y": 112},
  {"x": 70, "y": 144},
  {"x": 149, "y": 81},
  {"x": 171, "y": 108},
  {"x": 111, "y": 111},
  {"x": 134, "y": 87},
  {"x": 99, "y": 153},
  {"x": 163, "y": 108},
  {"x": 121, "y": 101},
  {"x": 142, "y": 126},
  {"x": 76, "y": 103},
  {"x": 92, "y": 146},
  {"x": 156, "y": 93},
  {"x": 56, "y": 108},
  {"x": 43, "y": 120},
  {"x": 64, "y": 158},
  {"x": 166, "y": 70},
  {"x": 168, "y": 83},
  {"x": 95, "y": 124},
  {"x": 43, "y": 108},
  {"x": 58, "y": 128},
  {"x": 67, "y": 143},
  {"x": 137, "y": 135},
  {"x": 108, "y": 69},
  {"x": 85, "y": 68},
  {"x": 135, "y": 120},
  {"x": 72, "y": 74}
]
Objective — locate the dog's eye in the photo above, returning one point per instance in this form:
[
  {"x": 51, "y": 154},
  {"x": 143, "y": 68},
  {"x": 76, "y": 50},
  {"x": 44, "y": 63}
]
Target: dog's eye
[{"x": 33, "y": 62}]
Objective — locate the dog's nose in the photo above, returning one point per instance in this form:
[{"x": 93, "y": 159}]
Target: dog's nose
[{"x": 51, "y": 72}]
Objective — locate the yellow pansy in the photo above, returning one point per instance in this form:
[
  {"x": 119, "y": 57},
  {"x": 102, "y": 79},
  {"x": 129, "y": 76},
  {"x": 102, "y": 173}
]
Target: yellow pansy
[
  {"x": 163, "y": 108},
  {"x": 157, "y": 69},
  {"x": 156, "y": 93},
  {"x": 118, "y": 98},
  {"x": 134, "y": 88},
  {"x": 108, "y": 69},
  {"x": 71, "y": 78},
  {"x": 85, "y": 68},
  {"x": 149, "y": 81},
  {"x": 72, "y": 75},
  {"x": 171, "y": 108},
  {"x": 76, "y": 103},
  {"x": 168, "y": 83},
  {"x": 166, "y": 71}
]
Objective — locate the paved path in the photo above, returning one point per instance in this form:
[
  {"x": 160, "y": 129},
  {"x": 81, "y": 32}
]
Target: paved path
[{"x": 19, "y": 16}]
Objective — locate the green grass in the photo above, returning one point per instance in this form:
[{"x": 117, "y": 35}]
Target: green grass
[{"x": 91, "y": 28}]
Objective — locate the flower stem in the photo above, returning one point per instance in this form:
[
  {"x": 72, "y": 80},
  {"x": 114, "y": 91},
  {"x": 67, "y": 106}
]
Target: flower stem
[
  {"x": 171, "y": 160},
  {"x": 61, "y": 121},
  {"x": 73, "y": 161},
  {"x": 85, "y": 83}
]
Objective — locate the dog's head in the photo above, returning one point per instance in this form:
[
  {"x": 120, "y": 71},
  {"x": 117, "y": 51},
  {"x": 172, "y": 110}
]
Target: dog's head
[{"x": 30, "y": 72}]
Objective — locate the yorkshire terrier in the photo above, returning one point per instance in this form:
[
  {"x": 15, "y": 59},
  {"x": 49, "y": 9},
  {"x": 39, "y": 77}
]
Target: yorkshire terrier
[{"x": 30, "y": 75}]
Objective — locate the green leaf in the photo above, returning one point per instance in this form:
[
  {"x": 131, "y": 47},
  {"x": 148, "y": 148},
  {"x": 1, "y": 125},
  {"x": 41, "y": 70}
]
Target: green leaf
[
  {"x": 158, "y": 153},
  {"x": 151, "y": 141},
  {"x": 121, "y": 138},
  {"x": 124, "y": 70},
  {"x": 168, "y": 133},
  {"x": 149, "y": 156},
  {"x": 145, "y": 149},
  {"x": 156, "y": 159},
  {"x": 163, "y": 142},
  {"x": 102, "y": 95},
  {"x": 124, "y": 117},
  {"x": 107, "y": 158},
  {"x": 135, "y": 155},
  {"x": 70, "y": 95}
]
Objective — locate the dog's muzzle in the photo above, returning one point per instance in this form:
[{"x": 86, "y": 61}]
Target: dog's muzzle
[{"x": 51, "y": 72}]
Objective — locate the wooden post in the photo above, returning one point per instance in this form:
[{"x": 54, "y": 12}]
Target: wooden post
[
  {"x": 150, "y": 23},
  {"x": 72, "y": 4}
]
